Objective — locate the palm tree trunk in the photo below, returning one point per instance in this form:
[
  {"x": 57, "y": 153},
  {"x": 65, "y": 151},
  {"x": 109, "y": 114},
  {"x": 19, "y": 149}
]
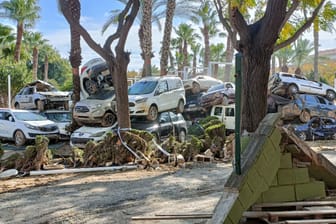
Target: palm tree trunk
[
  {"x": 316, "y": 51},
  {"x": 185, "y": 54},
  {"x": 206, "y": 48},
  {"x": 147, "y": 36},
  {"x": 35, "y": 64},
  {"x": 18, "y": 42},
  {"x": 171, "y": 4},
  {"x": 228, "y": 59},
  {"x": 194, "y": 65},
  {"x": 46, "y": 67}
]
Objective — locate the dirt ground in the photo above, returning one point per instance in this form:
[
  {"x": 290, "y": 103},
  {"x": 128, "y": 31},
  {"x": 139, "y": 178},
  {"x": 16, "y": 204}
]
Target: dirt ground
[{"x": 114, "y": 197}]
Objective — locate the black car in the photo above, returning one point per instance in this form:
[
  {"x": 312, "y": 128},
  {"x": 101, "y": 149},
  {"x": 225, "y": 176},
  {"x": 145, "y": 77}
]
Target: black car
[
  {"x": 218, "y": 94},
  {"x": 306, "y": 106},
  {"x": 168, "y": 123},
  {"x": 193, "y": 108},
  {"x": 317, "y": 128}
]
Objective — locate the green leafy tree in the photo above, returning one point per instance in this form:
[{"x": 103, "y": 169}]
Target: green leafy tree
[
  {"x": 217, "y": 55},
  {"x": 7, "y": 41},
  {"x": 257, "y": 42},
  {"x": 302, "y": 49},
  {"x": 24, "y": 13}
]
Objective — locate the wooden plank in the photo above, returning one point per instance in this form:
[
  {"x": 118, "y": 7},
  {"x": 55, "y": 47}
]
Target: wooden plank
[
  {"x": 267, "y": 214},
  {"x": 224, "y": 206},
  {"x": 309, "y": 221},
  {"x": 294, "y": 204},
  {"x": 171, "y": 217}
]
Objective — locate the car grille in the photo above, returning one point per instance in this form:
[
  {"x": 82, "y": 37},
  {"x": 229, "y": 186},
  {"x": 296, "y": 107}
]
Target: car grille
[
  {"x": 131, "y": 104},
  {"x": 48, "y": 128},
  {"x": 82, "y": 109}
]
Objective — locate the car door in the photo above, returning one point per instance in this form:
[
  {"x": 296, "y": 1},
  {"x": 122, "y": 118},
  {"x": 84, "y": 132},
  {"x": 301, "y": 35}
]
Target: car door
[
  {"x": 323, "y": 106},
  {"x": 26, "y": 98},
  {"x": 165, "y": 125},
  {"x": 7, "y": 126},
  {"x": 163, "y": 96}
]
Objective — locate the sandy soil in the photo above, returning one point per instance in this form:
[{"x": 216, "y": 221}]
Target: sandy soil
[{"x": 114, "y": 197}]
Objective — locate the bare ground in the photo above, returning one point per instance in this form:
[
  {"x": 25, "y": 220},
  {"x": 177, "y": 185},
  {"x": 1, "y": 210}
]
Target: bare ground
[{"x": 107, "y": 197}]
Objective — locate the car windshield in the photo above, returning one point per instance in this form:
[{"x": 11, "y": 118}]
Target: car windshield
[
  {"x": 216, "y": 87},
  {"x": 102, "y": 94},
  {"x": 142, "y": 87},
  {"x": 28, "y": 116},
  {"x": 59, "y": 117}
]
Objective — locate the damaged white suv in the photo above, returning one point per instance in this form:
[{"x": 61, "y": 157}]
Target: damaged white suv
[{"x": 41, "y": 95}]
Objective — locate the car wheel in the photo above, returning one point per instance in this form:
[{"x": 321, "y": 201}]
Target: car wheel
[
  {"x": 302, "y": 136},
  {"x": 19, "y": 138},
  {"x": 305, "y": 116},
  {"x": 330, "y": 95},
  {"x": 90, "y": 86},
  {"x": 180, "y": 106},
  {"x": 17, "y": 106},
  {"x": 182, "y": 136},
  {"x": 40, "y": 105},
  {"x": 196, "y": 88},
  {"x": 152, "y": 113},
  {"x": 108, "y": 119},
  {"x": 292, "y": 89}
]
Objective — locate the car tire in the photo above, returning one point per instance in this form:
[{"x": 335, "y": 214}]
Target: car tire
[
  {"x": 182, "y": 136},
  {"x": 19, "y": 138},
  {"x": 152, "y": 113},
  {"x": 292, "y": 89},
  {"x": 305, "y": 116},
  {"x": 302, "y": 136},
  {"x": 40, "y": 105},
  {"x": 196, "y": 88},
  {"x": 108, "y": 119},
  {"x": 17, "y": 106},
  {"x": 331, "y": 95},
  {"x": 180, "y": 106},
  {"x": 90, "y": 86},
  {"x": 333, "y": 137}
]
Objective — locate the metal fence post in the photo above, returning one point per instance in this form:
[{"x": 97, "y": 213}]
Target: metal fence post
[{"x": 238, "y": 75}]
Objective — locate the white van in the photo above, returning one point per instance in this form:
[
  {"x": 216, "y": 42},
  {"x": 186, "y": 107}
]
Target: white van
[
  {"x": 154, "y": 94},
  {"x": 225, "y": 114}
]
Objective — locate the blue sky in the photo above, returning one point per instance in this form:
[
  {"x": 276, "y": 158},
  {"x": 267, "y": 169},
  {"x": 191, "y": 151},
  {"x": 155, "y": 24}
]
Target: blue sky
[{"x": 94, "y": 13}]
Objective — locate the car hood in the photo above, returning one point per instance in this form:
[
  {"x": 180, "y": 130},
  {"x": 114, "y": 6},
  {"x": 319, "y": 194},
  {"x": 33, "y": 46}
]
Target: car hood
[
  {"x": 40, "y": 123},
  {"x": 92, "y": 130},
  {"x": 133, "y": 98},
  {"x": 93, "y": 102},
  {"x": 58, "y": 93},
  {"x": 146, "y": 126}
]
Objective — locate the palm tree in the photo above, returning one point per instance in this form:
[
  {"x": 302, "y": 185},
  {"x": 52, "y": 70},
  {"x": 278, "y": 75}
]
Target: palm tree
[
  {"x": 34, "y": 41},
  {"x": 208, "y": 18},
  {"x": 24, "y": 13},
  {"x": 7, "y": 41},
  {"x": 284, "y": 56},
  {"x": 325, "y": 23},
  {"x": 302, "y": 48},
  {"x": 217, "y": 55},
  {"x": 195, "y": 48}
]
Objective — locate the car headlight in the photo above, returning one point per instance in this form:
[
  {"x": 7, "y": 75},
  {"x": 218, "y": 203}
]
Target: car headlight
[
  {"x": 142, "y": 100},
  {"x": 31, "y": 127},
  {"x": 98, "y": 134}
]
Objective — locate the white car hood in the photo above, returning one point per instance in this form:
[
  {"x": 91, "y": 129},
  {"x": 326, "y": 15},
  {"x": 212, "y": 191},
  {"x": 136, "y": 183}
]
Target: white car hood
[
  {"x": 133, "y": 98},
  {"x": 40, "y": 123}
]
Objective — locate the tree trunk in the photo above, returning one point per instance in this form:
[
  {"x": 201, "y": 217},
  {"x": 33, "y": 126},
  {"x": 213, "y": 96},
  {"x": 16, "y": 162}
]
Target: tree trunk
[
  {"x": 273, "y": 65},
  {"x": 35, "y": 63},
  {"x": 171, "y": 4},
  {"x": 194, "y": 65},
  {"x": 215, "y": 71},
  {"x": 46, "y": 68},
  {"x": 316, "y": 50},
  {"x": 185, "y": 54},
  {"x": 206, "y": 49},
  {"x": 147, "y": 36},
  {"x": 228, "y": 59},
  {"x": 17, "y": 53}
]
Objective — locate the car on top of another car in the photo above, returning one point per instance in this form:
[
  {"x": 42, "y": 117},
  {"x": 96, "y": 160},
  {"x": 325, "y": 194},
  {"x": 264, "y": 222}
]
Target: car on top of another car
[
  {"x": 223, "y": 93},
  {"x": 200, "y": 83}
]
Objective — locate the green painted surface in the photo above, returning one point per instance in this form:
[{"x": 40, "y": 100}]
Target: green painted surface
[
  {"x": 286, "y": 176},
  {"x": 286, "y": 160},
  {"x": 301, "y": 175},
  {"x": 309, "y": 191},
  {"x": 279, "y": 194},
  {"x": 236, "y": 212}
]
